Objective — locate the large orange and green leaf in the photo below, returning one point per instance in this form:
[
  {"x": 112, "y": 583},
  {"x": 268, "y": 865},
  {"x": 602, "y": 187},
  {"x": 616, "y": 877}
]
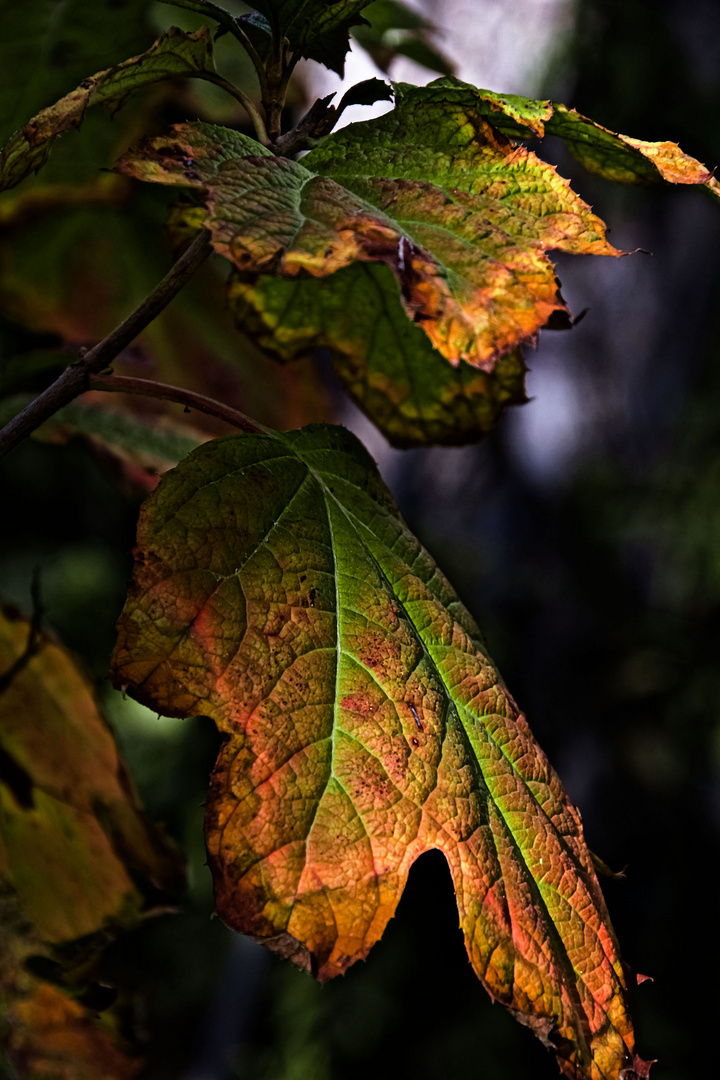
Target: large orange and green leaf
[
  {"x": 460, "y": 215},
  {"x": 278, "y": 590},
  {"x": 79, "y": 861}
]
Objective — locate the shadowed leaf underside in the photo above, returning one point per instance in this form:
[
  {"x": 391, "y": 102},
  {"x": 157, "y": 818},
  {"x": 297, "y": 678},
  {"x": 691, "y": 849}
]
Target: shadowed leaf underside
[
  {"x": 278, "y": 591},
  {"x": 79, "y": 861},
  {"x": 316, "y": 29}
]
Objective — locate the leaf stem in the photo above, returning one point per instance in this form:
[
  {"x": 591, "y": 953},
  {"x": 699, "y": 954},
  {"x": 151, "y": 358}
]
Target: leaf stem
[
  {"x": 124, "y": 384},
  {"x": 276, "y": 76},
  {"x": 246, "y": 102},
  {"x": 239, "y": 34},
  {"x": 74, "y": 379},
  {"x": 229, "y": 25}
]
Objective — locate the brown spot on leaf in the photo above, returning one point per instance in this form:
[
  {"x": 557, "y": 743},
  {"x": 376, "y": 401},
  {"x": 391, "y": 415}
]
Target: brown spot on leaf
[{"x": 359, "y": 703}]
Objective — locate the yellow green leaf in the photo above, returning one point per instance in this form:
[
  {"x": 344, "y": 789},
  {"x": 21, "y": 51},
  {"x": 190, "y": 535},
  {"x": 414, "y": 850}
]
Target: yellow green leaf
[
  {"x": 73, "y": 831},
  {"x": 278, "y": 591},
  {"x": 173, "y": 55},
  {"x": 620, "y": 158},
  {"x": 78, "y": 858}
]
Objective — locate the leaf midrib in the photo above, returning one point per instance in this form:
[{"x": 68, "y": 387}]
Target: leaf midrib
[{"x": 567, "y": 964}]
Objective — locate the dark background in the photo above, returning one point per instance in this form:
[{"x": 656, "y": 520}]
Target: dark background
[{"x": 593, "y": 565}]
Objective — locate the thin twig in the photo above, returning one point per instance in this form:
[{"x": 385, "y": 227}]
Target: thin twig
[
  {"x": 124, "y": 384},
  {"x": 239, "y": 34},
  {"x": 74, "y": 379},
  {"x": 229, "y": 25},
  {"x": 316, "y": 122},
  {"x": 273, "y": 98},
  {"x": 246, "y": 102}
]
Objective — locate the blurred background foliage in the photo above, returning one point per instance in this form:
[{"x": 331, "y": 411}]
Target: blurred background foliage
[{"x": 584, "y": 535}]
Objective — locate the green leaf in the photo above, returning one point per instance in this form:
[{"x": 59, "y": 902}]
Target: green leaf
[
  {"x": 366, "y": 92},
  {"x": 616, "y": 157},
  {"x": 384, "y": 361},
  {"x": 316, "y": 29},
  {"x": 460, "y": 215},
  {"x": 396, "y": 30},
  {"x": 278, "y": 591},
  {"x": 207, "y": 9},
  {"x": 173, "y": 55},
  {"x": 47, "y": 48},
  {"x": 153, "y": 443}
]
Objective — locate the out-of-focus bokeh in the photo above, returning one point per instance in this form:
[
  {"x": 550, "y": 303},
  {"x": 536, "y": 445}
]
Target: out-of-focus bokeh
[{"x": 584, "y": 535}]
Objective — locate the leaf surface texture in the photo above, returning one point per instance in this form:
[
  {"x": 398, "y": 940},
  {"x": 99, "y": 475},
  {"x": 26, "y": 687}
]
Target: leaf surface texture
[
  {"x": 278, "y": 590},
  {"x": 463, "y": 229}
]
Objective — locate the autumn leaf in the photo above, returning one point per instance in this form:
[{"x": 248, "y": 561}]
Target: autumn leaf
[
  {"x": 383, "y": 360},
  {"x": 46, "y": 51},
  {"x": 54, "y": 1037},
  {"x": 79, "y": 861},
  {"x": 74, "y": 834},
  {"x": 620, "y": 158},
  {"x": 461, "y": 216},
  {"x": 278, "y": 591},
  {"x": 173, "y": 55}
]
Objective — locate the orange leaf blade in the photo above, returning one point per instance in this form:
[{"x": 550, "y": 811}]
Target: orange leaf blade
[{"x": 278, "y": 590}]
